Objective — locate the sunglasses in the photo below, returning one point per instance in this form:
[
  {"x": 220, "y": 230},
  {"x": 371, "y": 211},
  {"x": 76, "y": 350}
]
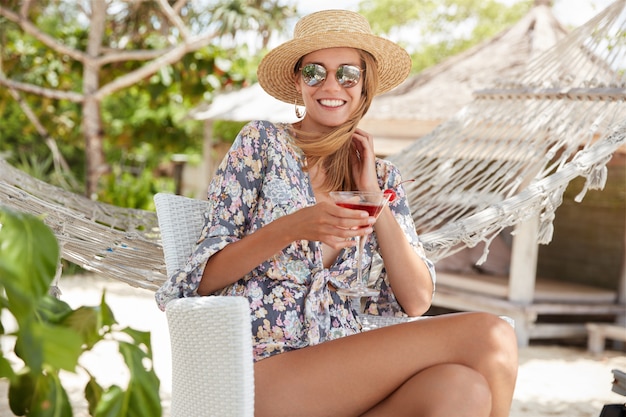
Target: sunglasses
[{"x": 347, "y": 75}]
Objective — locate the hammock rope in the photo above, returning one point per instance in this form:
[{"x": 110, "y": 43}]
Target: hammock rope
[
  {"x": 506, "y": 157},
  {"x": 116, "y": 242},
  {"x": 510, "y": 154}
]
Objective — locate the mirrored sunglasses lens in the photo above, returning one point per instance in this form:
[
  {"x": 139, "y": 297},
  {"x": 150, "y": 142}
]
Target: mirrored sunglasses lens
[
  {"x": 348, "y": 75},
  {"x": 313, "y": 74}
]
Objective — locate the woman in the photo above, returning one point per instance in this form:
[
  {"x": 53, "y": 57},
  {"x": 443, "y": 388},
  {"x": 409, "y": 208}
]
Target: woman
[{"x": 274, "y": 236}]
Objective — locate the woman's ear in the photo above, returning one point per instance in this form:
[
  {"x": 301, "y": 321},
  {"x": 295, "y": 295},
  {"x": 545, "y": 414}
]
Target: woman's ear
[{"x": 296, "y": 82}]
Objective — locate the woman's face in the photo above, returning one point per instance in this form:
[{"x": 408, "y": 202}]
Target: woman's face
[{"x": 328, "y": 103}]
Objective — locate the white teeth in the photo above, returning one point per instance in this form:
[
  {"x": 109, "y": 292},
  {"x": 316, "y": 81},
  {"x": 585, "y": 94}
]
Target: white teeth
[{"x": 332, "y": 103}]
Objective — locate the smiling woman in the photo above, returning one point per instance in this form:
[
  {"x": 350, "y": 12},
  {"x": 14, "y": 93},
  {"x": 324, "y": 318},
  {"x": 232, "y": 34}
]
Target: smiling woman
[{"x": 274, "y": 235}]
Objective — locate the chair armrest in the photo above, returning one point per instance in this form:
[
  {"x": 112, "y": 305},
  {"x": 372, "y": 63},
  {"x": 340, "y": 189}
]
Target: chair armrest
[{"x": 212, "y": 365}]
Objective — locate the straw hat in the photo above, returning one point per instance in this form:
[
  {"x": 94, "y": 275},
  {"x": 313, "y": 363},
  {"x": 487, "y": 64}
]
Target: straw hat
[{"x": 330, "y": 29}]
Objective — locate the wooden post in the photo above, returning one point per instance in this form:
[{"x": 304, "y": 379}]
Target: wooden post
[
  {"x": 524, "y": 261},
  {"x": 207, "y": 160},
  {"x": 523, "y": 273},
  {"x": 622, "y": 281},
  {"x": 620, "y": 320}
]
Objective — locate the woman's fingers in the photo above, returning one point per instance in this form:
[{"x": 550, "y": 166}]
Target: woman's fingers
[
  {"x": 334, "y": 225},
  {"x": 364, "y": 161}
]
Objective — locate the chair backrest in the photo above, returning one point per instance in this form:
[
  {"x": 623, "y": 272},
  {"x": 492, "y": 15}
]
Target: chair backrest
[
  {"x": 180, "y": 222},
  {"x": 211, "y": 338}
]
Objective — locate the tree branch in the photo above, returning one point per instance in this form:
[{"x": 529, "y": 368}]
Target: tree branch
[
  {"x": 153, "y": 66},
  {"x": 114, "y": 55},
  {"x": 173, "y": 17},
  {"x": 42, "y": 91},
  {"x": 29, "y": 28},
  {"x": 61, "y": 166},
  {"x": 25, "y": 8},
  {"x": 179, "y": 5}
]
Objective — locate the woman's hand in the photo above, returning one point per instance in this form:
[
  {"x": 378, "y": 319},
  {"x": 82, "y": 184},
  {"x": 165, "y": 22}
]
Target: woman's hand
[
  {"x": 328, "y": 223},
  {"x": 325, "y": 221},
  {"x": 363, "y": 161}
]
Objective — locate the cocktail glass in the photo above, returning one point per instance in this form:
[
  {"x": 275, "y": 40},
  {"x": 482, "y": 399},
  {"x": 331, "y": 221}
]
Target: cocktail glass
[{"x": 373, "y": 203}]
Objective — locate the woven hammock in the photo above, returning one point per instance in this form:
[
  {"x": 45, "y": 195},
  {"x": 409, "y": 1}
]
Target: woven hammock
[
  {"x": 509, "y": 155},
  {"x": 506, "y": 157},
  {"x": 116, "y": 242}
]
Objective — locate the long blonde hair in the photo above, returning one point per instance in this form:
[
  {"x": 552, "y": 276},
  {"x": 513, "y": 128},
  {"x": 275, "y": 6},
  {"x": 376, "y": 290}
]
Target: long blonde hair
[{"x": 332, "y": 149}]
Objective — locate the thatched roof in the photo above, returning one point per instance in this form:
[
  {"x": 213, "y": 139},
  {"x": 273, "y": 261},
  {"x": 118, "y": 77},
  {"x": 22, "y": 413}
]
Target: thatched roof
[{"x": 440, "y": 91}]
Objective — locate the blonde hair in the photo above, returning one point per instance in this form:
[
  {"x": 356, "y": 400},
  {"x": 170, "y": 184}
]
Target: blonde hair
[{"x": 332, "y": 150}]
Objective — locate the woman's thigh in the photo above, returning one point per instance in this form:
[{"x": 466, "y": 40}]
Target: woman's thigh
[
  {"x": 349, "y": 376},
  {"x": 441, "y": 390}
]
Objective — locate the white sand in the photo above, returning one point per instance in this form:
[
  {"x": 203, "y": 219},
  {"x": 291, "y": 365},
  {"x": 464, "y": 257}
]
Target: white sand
[{"x": 553, "y": 380}]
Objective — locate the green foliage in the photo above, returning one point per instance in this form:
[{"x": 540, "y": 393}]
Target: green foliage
[
  {"x": 155, "y": 110},
  {"x": 226, "y": 130},
  {"x": 125, "y": 189},
  {"x": 50, "y": 336},
  {"x": 444, "y": 27},
  {"x": 27, "y": 60},
  {"x": 135, "y": 177}
]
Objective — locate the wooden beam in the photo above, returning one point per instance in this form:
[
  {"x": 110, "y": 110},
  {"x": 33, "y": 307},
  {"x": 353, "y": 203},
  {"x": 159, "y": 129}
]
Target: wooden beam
[{"x": 524, "y": 254}]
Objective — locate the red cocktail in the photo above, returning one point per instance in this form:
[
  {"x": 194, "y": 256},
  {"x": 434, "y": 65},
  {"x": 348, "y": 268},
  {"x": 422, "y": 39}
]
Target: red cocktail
[
  {"x": 373, "y": 203},
  {"x": 372, "y": 210}
]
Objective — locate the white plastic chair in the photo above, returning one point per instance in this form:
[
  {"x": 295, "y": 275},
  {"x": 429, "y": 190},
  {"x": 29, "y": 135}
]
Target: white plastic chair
[{"x": 211, "y": 337}]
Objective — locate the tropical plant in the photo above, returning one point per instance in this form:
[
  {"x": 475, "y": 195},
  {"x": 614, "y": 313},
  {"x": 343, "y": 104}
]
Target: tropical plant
[
  {"x": 49, "y": 336},
  {"x": 110, "y": 71}
]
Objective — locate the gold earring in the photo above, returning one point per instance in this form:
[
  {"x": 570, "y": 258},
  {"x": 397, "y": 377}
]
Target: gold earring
[{"x": 299, "y": 113}]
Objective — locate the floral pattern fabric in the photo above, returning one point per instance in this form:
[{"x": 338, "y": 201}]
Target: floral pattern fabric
[{"x": 292, "y": 304}]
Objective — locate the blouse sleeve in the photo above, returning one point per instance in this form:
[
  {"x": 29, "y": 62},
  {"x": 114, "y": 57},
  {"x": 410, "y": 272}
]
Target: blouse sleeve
[
  {"x": 385, "y": 304},
  {"x": 232, "y": 195}
]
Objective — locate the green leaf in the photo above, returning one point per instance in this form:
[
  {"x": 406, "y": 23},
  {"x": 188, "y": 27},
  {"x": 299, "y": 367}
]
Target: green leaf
[
  {"x": 143, "y": 386},
  {"x": 93, "y": 394},
  {"x": 6, "y": 370},
  {"x": 50, "y": 398},
  {"x": 112, "y": 403},
  {"x": 141, "y": 338},
  {"x": 84, "y": 321},
  {"x": 21, "y": 394},
  {"x": 29, "y": 347},
  {"x": 107, "y": 318},
  {"x": 29, "y": 254},
  {"x": 56, "y": 346},
  {"x": 52, "y": 310}
]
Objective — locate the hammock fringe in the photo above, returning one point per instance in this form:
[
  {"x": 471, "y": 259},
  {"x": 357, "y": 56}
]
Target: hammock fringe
[{"x": 506, "y": 157}]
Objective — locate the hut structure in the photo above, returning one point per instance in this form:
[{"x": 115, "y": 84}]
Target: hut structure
[
  {"x": 584, "y": 269},
  {"x": 425, "y": 100}
]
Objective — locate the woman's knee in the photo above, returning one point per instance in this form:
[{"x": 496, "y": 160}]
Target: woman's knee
[
  {"x": 473, "y": 391},
  {"x": 467, "y": 392},
  {"x": 500, "y": 331},
  {"x": 499, "y": 344}
]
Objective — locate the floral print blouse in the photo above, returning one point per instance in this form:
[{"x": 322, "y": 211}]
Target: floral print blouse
[{"x": 292, "y": 304}]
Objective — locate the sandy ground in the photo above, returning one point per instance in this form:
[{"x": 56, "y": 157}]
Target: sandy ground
[{"x": 553, "y": 380}]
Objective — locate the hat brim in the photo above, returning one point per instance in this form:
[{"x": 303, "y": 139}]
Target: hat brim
[{"x": 276, "y": 70}]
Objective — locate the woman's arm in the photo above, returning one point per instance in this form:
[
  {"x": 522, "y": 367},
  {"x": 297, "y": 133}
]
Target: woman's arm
[
  {"x": 240, "y": 257},
  {"x": 407, "y": 272},
  {"x": 325, "y": 222},
  {"x": 408, "y": 275}
]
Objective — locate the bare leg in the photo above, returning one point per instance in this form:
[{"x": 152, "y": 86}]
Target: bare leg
[
  {"x": 353, "y": 375},
  {"x": 442, "y": 390}
]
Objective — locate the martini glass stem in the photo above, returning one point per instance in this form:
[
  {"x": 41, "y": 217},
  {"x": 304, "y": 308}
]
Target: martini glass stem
[{"x": 360, "y": 240}]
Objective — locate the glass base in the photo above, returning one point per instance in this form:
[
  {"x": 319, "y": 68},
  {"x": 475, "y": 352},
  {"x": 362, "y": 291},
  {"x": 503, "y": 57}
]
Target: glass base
[{"x": 358, "y": 292}]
